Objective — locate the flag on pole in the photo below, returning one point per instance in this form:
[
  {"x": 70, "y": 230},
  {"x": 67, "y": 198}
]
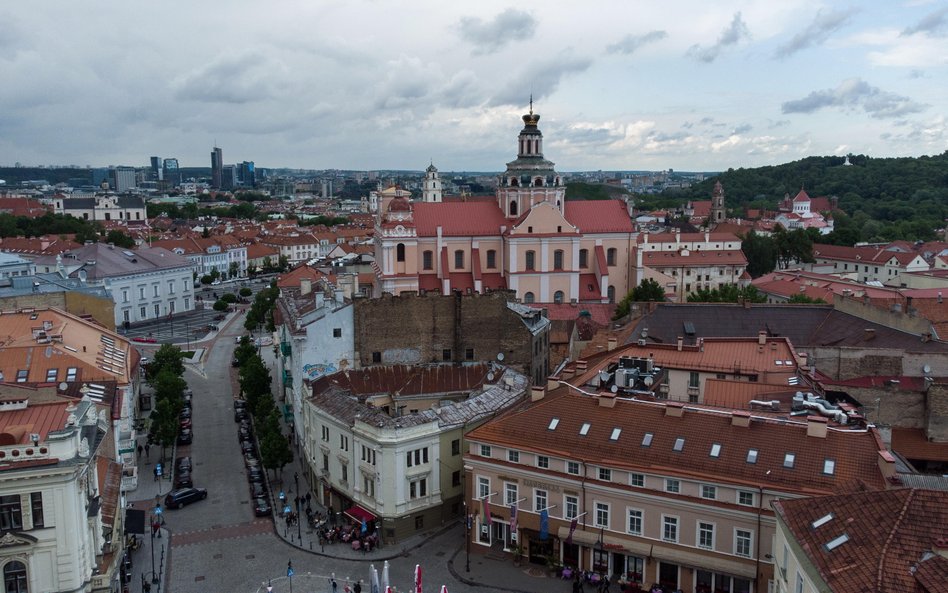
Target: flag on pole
[
  {"x": 364, "y": 526},
  {"x": 485, "y": 510},
  {"x": 544, "y": 525},
  {"x": 289, "y": 568},
  {"x": 572, "y": 528},
  {"x": 513, "y": 518},
  {"x": 417, "y": 578}
]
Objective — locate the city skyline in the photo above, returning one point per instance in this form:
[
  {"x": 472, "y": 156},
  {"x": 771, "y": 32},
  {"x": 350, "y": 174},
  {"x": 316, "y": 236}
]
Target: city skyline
[{"x": 370, "y": 85}]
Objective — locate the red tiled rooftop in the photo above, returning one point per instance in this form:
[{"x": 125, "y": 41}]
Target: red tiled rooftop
[
  {"x": 912, "y": 444},
  {"x": 700, "y": 258},
  {"x": 598, "y": 216},
  {"x": 458, "y": 219}
]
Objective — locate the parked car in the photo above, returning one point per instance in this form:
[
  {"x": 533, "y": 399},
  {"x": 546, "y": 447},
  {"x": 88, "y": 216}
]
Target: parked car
[
  {"x": 261, "y": 508},
  {"x": 241, "y": 414},
  {"x": 184, "y": 496},
  {"x": 246, "y": 447},
  {"x": 183, "y": 480},
  {"x": 234, "y": 362},
  {"x": 183, "y": 464},
  {"x": 255, "y": 474},
  {"x": 250, "y": 460},
  {"x": 185, "y": 412},
  {"x": 220, "y": 317},
  {"x": 184, "y": 423},
  {"x": 185, "y": 436},
  {"x": 240, "y": 404},
  {"x": 257, "y": 490}
]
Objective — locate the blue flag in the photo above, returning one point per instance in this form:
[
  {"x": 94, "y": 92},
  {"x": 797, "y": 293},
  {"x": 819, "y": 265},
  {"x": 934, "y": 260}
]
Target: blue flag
[
  {"x": 364, "y": 526},
  {"x": 544, "y": 525}
]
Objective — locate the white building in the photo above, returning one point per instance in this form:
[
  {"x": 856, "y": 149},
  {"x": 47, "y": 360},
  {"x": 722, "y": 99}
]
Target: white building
[
  {"x": 103, "y": 207},
  {"x": 60, "y": 499},
  {"x": 12, "y": 266},
  {"x": 146, "y": 284}
]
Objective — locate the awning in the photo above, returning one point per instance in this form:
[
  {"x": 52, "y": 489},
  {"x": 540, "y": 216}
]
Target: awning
[{"x": 358, "y": 514}]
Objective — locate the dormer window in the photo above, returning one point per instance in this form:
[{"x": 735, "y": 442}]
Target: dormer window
[{"x": 788, "y": 460}]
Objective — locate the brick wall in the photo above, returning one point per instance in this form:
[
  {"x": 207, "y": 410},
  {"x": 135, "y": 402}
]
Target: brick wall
[
  {"x": 415, "y": 329},
  {"x": 77, "y": 303},
  {"x": 937, "y": 425}
]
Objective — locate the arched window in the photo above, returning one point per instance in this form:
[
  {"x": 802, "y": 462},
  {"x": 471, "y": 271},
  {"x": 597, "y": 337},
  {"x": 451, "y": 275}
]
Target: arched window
[
  {"x": 528, "y": 297},
  {"x": 513, "y": 207},
  {"x": 538, "y": 182},
  {"x": 558, "y": 296},
  {"x": 459, "y": 259},
  {"x": 514, "y": 182},
  {"x": 400, "y": 252},
  {"x": 558, "y": 259},
  {"x": 611, "y": 256},
  {"x": 531, "y": 260},
  {"x": 611, "y": 291},
  {"x": 14, "y": 577}
]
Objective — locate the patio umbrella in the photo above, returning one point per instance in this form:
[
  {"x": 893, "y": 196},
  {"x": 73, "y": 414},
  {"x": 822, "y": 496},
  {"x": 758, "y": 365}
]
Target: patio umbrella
[
  {"x": 417, "y": 578},
  {"x": 444, "y": 589},
  {"x": 388, "y": 589},
  {"x": 385, "y": 579},
  {"x": 374, "y": 579}
]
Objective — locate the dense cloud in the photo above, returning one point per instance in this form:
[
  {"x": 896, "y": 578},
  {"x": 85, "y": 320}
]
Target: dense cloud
[
  {"x": 823, "y": 26},
  {"x": 732, "y": 35},
  {"x": 490, "y": 36},
  {"x": 935, "y": 23},
  {"x": 855, "y": 93},
  {"x": 630, "y": 43}
]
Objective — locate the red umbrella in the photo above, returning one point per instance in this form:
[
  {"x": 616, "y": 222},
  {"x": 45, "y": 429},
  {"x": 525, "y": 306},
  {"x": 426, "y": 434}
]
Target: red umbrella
[{"x": 417, "y": 578}]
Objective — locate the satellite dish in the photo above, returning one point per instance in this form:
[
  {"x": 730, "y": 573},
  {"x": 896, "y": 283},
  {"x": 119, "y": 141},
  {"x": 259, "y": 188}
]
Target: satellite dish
[
  {"x": 926, "y": 369},
  {"x": 63, "y": 386},
  {"x": 490, "y": 376},
  {"x": 648, "y": 381},
  {"x": 614, "y": 389},
  {"x": 500, "y": 356}
]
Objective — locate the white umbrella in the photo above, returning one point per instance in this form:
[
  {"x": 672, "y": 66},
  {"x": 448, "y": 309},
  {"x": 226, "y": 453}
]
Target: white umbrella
[
  {"x": 385, "y": 579},
  {"x": 374, "y": 579}
]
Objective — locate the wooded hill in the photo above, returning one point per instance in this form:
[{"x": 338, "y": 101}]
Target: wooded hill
[{"x": 884, "y": 198}]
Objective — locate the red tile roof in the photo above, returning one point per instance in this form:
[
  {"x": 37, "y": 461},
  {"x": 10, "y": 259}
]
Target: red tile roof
[
  {"x": 711, "y": 257},
  {"x": 406, "y": 380},
  {"x": 601, "y": 313},
  {"x": 912, "y": 444},
  {"x": 589, "y": 287},
  {"x": 887, "y": 535},
  {"x": 856, "y": 452},
  {"x": 598, "y": 216},
  {"x": 458, "y": 219}
]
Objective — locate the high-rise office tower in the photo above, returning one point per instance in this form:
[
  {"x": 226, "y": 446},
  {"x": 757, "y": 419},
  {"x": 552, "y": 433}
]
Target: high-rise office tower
[
  {"x": 229, "y": 177},
  {"x": 217, "y": 167},
  {"x": 156, "y": 171},
  {"x": 171, "y": 173},
  {"x": 246, "y": 174}
]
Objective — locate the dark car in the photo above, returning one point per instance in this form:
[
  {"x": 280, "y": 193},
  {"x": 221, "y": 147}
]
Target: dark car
[
  {"x": 183, "y": 464},
  {"x": 241, "y": 414},
  {"x": 184, "y": 423},
  {"x": 261, "y": 507},
  {"x": 240, "y": 404},
  {"x": 185, "y": 412},
  {"x": 185, "y": 437},
  {"x": 246, "y": 447},
  {"x": 254, "y": 474},
  {"x": 257, "y": 490},
  {"x": 183, "y": 480},
  {"x": 220, "y": 317},
  {"x": 184, "y": 496},
  {"x": 250, "y": 460},
  {"x": 234, "y": 362},
  {"x": 244, "y": 433}
]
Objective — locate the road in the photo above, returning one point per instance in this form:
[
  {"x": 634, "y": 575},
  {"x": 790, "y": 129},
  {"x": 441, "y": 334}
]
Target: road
[{"x": 218, "y": 545}]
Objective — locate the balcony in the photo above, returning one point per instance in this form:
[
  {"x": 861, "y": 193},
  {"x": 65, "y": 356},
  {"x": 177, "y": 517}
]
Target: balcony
[{"x": 286, "y": 348}]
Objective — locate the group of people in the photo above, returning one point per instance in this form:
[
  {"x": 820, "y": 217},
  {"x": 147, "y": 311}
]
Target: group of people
[
  {"x": 584, "y": 577},
  {"x": 352, "y": 535}
]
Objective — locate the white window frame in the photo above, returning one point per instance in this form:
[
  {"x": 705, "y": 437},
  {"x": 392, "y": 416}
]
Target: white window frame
[
  {"x": 750, "y": 542},
  {"x": 483, "y": 487},
  {"x": 570, "y": 507},
  {"x": 485, "y": 451},
  {"x": 602, "y": 507},
  {"x": 629, "y": 512},
  {"x": 667, "y": 522},
  {"x": 570, "y": 465},
  {"x": 698, "y": 532},
  {"x": 543, "y": 462},
  {"x": 605, "y": 474},
  {"x": 538, "y": 495},
  {"x": 511, "y": 493},
  {"x": 712, "y": 489},
  {"x": 513, "y": 456},
  {"x": 673, "y": 485},
  {"x": 633, "y": 480},
  {"x": 748, "y": 493}
]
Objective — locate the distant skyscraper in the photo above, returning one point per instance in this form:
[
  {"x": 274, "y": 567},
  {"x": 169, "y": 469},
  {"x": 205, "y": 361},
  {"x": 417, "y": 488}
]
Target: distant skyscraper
[
  {"x": 123, "y": 178},
  {"x": 170, "y": 172},
  {"x": 156, "y": 171},
  {"x": 246, "y": 174},
  {"x": 228, "y": 177},
  {"x": 217, "y": 167}
]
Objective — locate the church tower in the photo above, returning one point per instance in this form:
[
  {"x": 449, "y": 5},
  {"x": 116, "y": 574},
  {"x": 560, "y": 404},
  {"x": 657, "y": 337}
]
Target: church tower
[
  {"x": 717, "y": 205},
  {"x": 530, "y": 179},
  {"x": 431, "y": 187}
]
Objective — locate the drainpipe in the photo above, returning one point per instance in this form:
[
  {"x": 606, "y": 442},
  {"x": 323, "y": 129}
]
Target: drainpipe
[{"x": 584, "y": 507}]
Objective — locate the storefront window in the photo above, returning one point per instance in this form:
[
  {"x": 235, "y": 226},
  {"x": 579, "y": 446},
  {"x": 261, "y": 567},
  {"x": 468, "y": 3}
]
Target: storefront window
[
  {"x": 668, "y": 576},
  {"x": 600, "y": 561}
]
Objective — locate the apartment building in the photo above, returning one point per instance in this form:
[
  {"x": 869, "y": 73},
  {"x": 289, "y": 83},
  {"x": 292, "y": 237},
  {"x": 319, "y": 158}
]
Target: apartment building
[
  {"x": 222, "y": 253},
  {"x": 652, "y": 491},
  {"x": 103, "y": 207},
  {"x": 385, "y": 444},
  {"x": 61, "y": 510},
  {"x": 687, "y": 262},
  {"x": 866, "y": 264}
]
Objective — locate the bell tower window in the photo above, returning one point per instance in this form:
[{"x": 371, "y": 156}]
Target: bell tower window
[{"x": 513, "y": 207}]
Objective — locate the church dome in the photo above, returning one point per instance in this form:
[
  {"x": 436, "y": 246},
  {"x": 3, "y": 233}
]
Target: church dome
[{"x": 400, "y": 204}]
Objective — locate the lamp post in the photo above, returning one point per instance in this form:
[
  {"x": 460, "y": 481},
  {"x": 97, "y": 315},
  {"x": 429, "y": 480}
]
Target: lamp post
[{"x": 154, "y": 575}]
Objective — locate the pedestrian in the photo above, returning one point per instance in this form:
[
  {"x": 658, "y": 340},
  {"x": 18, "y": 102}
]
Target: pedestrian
[
  {"x": 147, "y": 446},
  {"x": 332, "y": 583},
  {"x": 358, "y": 587},
  {"x": 605, "y": 583},
  {"x": 140, "y": 449}
]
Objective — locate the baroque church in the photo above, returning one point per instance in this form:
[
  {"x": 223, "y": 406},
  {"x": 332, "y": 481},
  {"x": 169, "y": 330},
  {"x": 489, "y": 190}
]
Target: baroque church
[{"x": 526, "y": 238}]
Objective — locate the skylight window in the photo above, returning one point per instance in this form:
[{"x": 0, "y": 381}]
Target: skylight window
[
  {"x": 829, "y": 466},
  {"x": 822, "y": 520},
  {"x": 788, "y": 460},
  {"x": 615, "y": 434},
  {"x": 778, "y": 362},
  {"x": 647, "y": 440},
  {"x": 584, "y": 429},
  {"x": 716, "y": 450},
  {"x": 21, "y": 376},
  {"x": 752, "y": 456},
  {"x": 837, "y": 542},
  {"x": 553, "y": 424},
  {"x": 679, "y": 444}
]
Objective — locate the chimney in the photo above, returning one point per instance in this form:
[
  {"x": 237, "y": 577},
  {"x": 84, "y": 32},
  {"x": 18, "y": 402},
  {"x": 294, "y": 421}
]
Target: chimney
[
  {"x": 306, "y": 286},
  {"x": 761, "y": 338},
  {"x": 612, "y": 343},
  {"x": 675, "y": 409},
  {"x": 581, "y": 366},
  {"x": 537, "y": 392},
  {"x": 607, "y": 400},
  {"x": 740, "y": 418},
  {"x": 816, "y": 426},
  {"x": 680, "y": 343},
  {"x": 886, "y": 464}
]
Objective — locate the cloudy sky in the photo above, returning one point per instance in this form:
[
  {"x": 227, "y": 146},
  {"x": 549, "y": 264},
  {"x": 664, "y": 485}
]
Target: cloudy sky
[{"x": 364, "y": 84}]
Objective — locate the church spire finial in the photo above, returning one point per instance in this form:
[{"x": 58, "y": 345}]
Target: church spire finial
[{"x": 531, "y": 103}]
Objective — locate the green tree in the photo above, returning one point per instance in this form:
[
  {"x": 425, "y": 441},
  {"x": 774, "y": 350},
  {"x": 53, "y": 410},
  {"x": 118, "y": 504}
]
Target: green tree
[
  {"x": 647, "y": 290},
  {"x": 802, "y": 299},
  {"x": 229, "y": 297},
  {"x": 233, "y": 270},
  {"x": 169, "y": 386},
  {"x": 275, "y": 451},
  {"x": 245, "y": 292},
  {"x": 163, "y": 428},
  {"x": 119, "y": 239},
  {"x": 761, "y": 254},
  {"x": 220, "y": 306},
  {"x": 167, "y": 358},
  {"x": 728, "y": 293}
]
